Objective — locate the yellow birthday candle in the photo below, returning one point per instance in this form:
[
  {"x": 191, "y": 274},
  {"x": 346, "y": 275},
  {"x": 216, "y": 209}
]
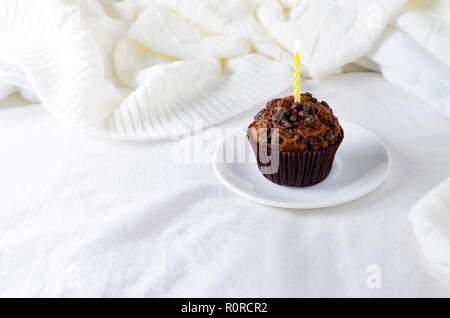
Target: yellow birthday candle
[{"x": 297, "y": 96}]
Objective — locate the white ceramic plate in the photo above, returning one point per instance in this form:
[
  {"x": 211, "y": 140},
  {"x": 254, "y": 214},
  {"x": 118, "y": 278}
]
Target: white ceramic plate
[{"x": 362, "y": 163}]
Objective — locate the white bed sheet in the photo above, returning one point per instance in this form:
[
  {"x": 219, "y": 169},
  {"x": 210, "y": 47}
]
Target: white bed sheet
[{"x": 85, "y": 216}]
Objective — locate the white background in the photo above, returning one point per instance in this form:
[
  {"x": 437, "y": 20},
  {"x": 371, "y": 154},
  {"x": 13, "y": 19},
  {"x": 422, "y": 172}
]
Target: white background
[{"x": 85, "y": 216}]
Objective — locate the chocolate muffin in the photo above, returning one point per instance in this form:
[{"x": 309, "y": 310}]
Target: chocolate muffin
[{"x": 295, "y": 143}]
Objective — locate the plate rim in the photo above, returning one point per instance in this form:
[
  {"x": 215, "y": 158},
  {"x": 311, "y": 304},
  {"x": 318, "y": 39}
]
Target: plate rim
[{"x": 296, "y": 205}]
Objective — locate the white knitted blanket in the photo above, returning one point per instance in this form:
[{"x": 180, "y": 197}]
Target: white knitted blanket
[
  {"x": 138, "y": 69},
  {"x": 142, "y": 69}
]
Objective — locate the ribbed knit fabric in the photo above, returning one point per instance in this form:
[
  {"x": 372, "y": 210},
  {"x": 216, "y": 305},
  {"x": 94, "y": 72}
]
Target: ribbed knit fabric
[
  {"x": 195, "y": 95},
  {"x": 146, "y": 70},
  {"x": 49, "y": 42}
]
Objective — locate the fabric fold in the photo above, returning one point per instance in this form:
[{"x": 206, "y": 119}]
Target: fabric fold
[
  {"x": 430, "y": 219},
  {"x": 407, "y": 64}
]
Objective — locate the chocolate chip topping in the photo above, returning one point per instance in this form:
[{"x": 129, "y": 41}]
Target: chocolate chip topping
[
  {"x": 309, "y": 125},
  {"x": 286, "y": 124},
  {"x": 279, "y": 115},
  {"x": 259, "y": 114},
  {"x": 309, "y": 119},
  {"x": 297, "y": 106}
]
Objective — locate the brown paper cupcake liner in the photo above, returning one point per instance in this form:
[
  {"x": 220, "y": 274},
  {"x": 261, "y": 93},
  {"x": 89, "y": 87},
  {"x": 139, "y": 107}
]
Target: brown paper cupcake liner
[{"x": 301, "y": 169}]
